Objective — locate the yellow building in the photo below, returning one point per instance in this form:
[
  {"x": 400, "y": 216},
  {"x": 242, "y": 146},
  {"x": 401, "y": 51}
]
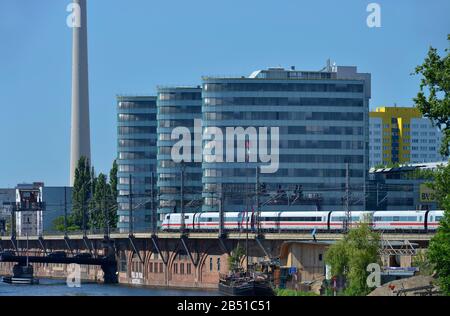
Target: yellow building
[{"x": 401, "y": 135}]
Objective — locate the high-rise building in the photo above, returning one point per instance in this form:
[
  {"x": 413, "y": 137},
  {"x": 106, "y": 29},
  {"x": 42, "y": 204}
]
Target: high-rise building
[
  {"x": 323, "y": 125},
  {"x": 136, "y": 157},
  {"x": 401, "y": 135},
  {"x": 80, "y": 128},
  {"x": 178, "y": 107}
]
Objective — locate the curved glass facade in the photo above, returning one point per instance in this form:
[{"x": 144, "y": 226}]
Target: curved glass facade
[
  {"x": 136, "y": 156},
  {"x": 323, "y": 125},
  {"x": 177, "y": 107}
]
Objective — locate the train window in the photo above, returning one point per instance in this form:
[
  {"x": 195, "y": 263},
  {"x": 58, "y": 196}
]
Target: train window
[
  {"x": 270, "y": 219},
  {"x": 186, "y": 217},
  {"x": 383, "y": 219},
  {"x": 302, "y": 219},
  {"x": 168, "y": 217},
  {"x": 438, "y": 218},
  {"x": 396, "y": 219}
]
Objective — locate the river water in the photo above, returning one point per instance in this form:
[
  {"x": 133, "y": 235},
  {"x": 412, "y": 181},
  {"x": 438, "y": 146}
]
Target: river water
[{"x": 49, "y": 287}]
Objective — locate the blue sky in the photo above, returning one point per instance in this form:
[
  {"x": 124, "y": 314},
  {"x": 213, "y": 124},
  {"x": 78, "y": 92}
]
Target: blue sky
[{"x": 135, "y": 45}]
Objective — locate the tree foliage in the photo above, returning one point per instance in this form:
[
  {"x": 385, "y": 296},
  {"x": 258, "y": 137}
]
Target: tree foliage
[
  {"x": 350, "y": 257},
  {"x": 422, "y": 262},
  {"x": 235, "y": 259},
  {"x": 114, "y": 193},
  {"x": 433, "y": 99},
  {"x": 439, "y": 248},
  {"x": 96, "y": 194},
  {"x": 82, "y": 191}
]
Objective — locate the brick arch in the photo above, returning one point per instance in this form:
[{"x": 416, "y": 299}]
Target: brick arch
[
  {"x": 173, "y": 254},
  {"x": 147, "y": 258},
  {"x": 203, "y": 257},
  {"x": 130, "y": 257}
]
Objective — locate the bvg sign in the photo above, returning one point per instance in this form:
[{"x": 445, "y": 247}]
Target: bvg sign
[{"x": 426, "y": 194}]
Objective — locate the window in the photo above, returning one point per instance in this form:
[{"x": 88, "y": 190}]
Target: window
[
  {"x": 181, "y": 268},
  {"x": 123, "y": 261},
  {"x": 151, "y": 267},
  {"x": 320, "y": 257},
  {"x": 218, "y": 264},
  {"x": 210, "y": 264},
  {"x": 188, "y": 268},
  {"x": 161, "y": 268}
]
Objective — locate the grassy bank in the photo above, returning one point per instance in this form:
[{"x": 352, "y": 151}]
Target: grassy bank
[{"x": 286, "y": 292}]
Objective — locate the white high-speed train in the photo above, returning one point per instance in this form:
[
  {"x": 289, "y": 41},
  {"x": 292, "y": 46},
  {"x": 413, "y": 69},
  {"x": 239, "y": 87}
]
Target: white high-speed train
[{"x": 290, "y": 221}]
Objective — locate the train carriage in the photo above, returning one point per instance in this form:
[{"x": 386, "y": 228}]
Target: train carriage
[
  {"x": 399, "y": 220},
  {"x": 433, "y": 219},
  {"x": 394, "y": 221}
]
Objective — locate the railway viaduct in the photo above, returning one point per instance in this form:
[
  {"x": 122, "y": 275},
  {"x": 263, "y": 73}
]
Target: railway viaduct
[{"x": 170, "y": 259}]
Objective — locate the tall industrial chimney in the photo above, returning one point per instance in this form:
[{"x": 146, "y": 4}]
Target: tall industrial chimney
[{"x": 80, "y": 129}]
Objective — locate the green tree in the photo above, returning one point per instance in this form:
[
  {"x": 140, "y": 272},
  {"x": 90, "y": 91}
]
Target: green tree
[
  {"x": 81, "y": 192},
  {"x": 58, "y": 224},
  {"x": 101, "y": 196},
  {"x": 235, "y": 259},
  {"x": 439, "y": 248},
  {"x": 422, "y": 262},
  {"x": 112, "y": 205},
  {"x": 113, "y": 179},
  {"x": 433, "y": 99},
  {"x": 350, "y": 257}
]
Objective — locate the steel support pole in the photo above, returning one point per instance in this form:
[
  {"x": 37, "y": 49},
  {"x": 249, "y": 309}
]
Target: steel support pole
[{"x": 130, "y": 206}]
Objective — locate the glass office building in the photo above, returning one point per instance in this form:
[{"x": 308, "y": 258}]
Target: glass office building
[
  {"x": 136, "y": 156},
  {"x": 178, "y": 107},
  {"x": 323, "y": 125}
]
